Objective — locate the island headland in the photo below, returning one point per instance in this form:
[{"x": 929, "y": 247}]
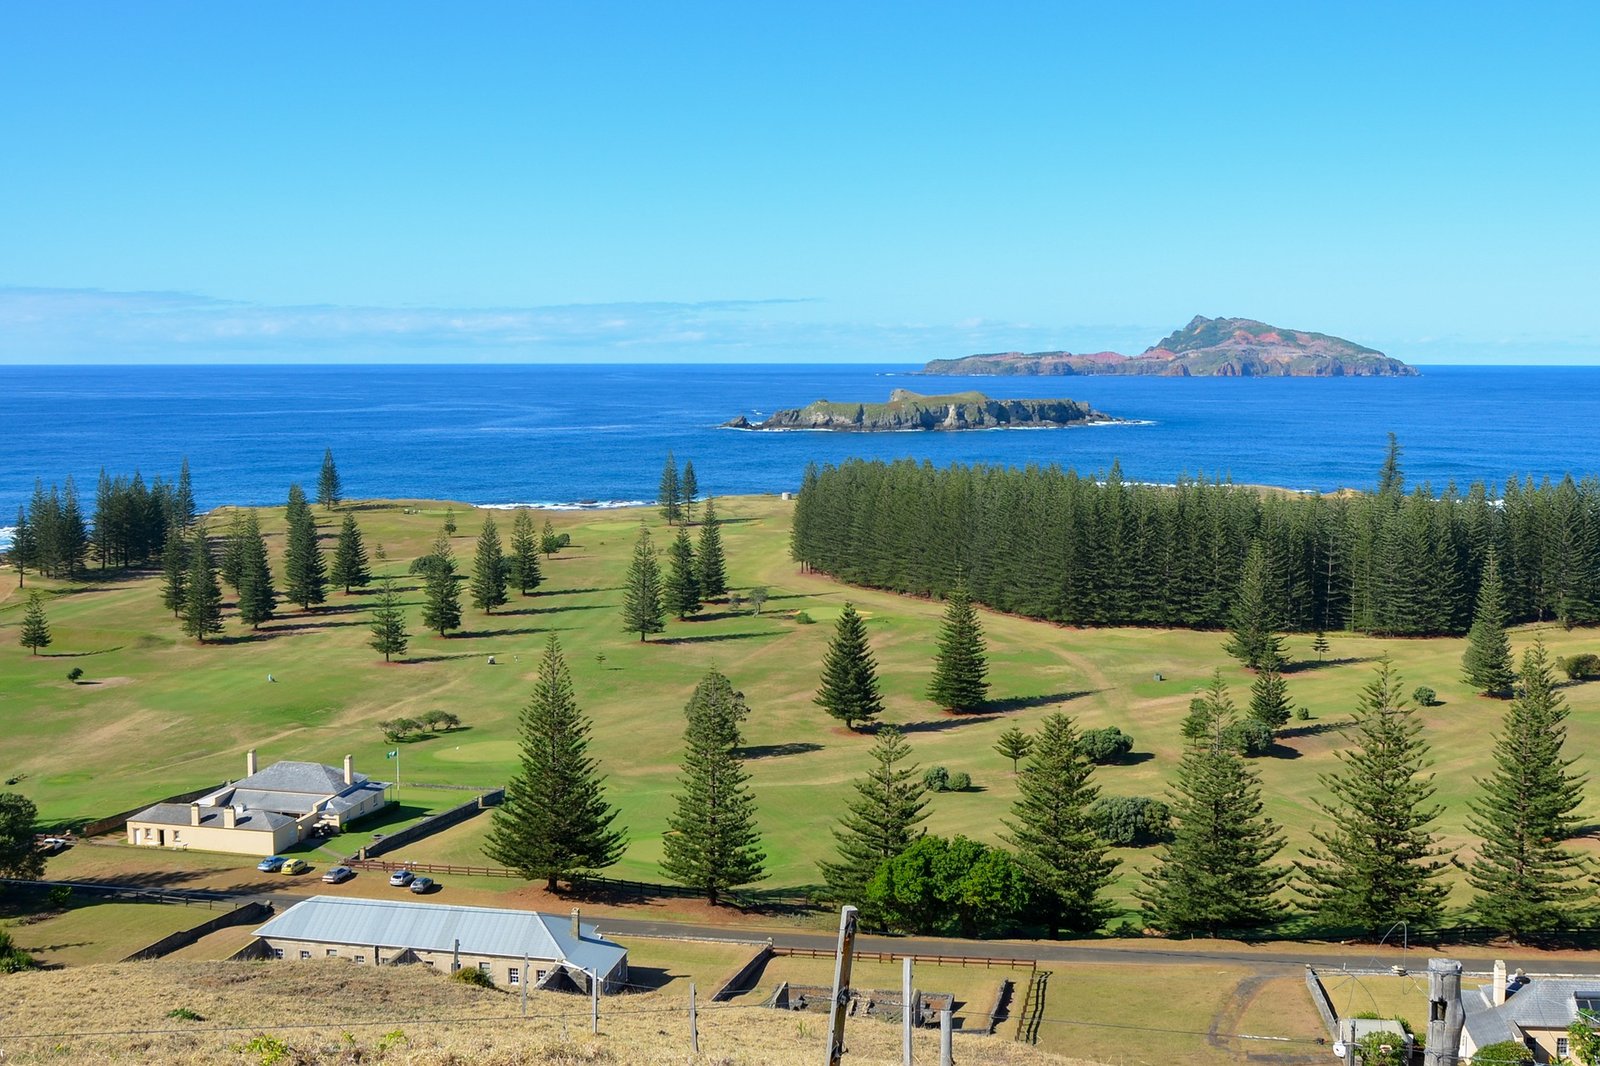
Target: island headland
[
  {"x": 1206, "y": 347},
  {"x": 907, "y": 410}
]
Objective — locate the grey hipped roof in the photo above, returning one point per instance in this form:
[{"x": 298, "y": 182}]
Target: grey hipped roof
[
  {"x": 435, "y": 927},
  {"x": 1542, "y": 1003},
  {"x": 179, "y": 814}
]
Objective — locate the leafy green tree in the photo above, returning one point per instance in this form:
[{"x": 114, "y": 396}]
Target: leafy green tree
[
  {"x": 202, "y": 596},
  {"x": 1269, "y": 697},
  {"x": 688, "y": 492},
  {"x": 880, "y": 821},
  {"x": 35, "y": 627},
  {"x": 549, "y": 539},
  {"x": 712, "y": 843},
  {"x": 642, "y": 610},
  {"x": 329, "y": 491},
  {"x": 1486, "y": 664},
  {"x": 961, "y": 665},
  {"x": 1103, "y": 746},
  {"x": 1054, "y": 835},
  {"x": 1526, "y": 883},
  {"x": 1015, "y": 745},
  {"x": 1378, "y": 861},
  {"x": 668, "y": 495},
  {"x": 1131, "y": 821},
  {"x": 174, "y": 569},
  {"x": 682, "y": 591},
  {"x": 441, "y": 721},
  {"x": 953, "y": 887},
  {"x": 441, "y": 597},
  {"x": 20, "y": 856},
  {"x": 258, "y": 598},
  {"x": 1583, "y": 1040},
  {"x": 712, "y": 566},
  {"x": 389, "y": 634},
  {"x": 1253, "y": 623},
  {"x": 849, "y": 686},
  {"x": 758, "y": 597},
  {"x": 555, "y": 822},
  {"x": 488, "y": 569},
  {"x": 1216, "y": 874},
  {"x": 350, "y": 557},
  {"x": 303, "y": 564},
  {"x": 524, "y": 559}
]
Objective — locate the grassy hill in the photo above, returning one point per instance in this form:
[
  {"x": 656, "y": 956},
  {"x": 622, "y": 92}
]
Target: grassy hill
[{"x": 160, "y": 714}]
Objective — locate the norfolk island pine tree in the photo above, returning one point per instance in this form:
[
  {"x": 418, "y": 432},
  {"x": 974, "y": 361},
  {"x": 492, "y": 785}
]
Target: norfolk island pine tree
[
  {"x": 642, "y": 609},
  {"x": 849, "y": 686}
]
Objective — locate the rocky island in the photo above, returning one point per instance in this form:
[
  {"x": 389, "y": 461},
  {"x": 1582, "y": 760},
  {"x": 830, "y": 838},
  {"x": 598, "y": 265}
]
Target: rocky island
[
  {"x": 1206, "y": 347},
  {"x": 908, "y": 410}
]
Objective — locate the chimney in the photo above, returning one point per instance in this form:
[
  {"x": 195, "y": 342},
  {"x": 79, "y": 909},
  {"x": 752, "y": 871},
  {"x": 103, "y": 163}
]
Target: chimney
[
  {"x": 250, "y": 763},
  {"x": 349, "y": 770},
  {"x": 230, "y": 816},
  {"x": 1499, "y": 981},
  {"x": 576, "y": 930},
  {"x": 194, "y": 814}
]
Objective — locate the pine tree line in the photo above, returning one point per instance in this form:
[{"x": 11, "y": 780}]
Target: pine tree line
[
  {"x": 128, "y": 527},
  {"x": 1047, "y": 543}
]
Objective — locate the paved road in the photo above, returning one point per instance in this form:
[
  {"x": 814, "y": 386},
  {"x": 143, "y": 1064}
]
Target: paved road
[{"x": 1269, "y": 960}]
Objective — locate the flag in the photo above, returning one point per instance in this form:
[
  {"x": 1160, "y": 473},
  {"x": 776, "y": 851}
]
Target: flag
[{"x": 392, "y": 754}]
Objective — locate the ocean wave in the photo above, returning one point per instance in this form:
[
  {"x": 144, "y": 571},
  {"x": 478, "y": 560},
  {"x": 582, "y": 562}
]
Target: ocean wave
[
  {"x": 578, "y": 505},
  {"x": 6, "y": 533}
]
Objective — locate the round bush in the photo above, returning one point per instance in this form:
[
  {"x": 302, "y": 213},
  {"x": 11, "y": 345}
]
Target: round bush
[
  {"x": 1302, "y": 714},
  {"x": 1580, "y": 667},
  {"x": 937, "y": 779},
  {"x": 801, "y": 618},
  {"x": 471, "y": 975},
  {"x": 75, "y": 673},
  {"x": 1249, "y": 737},
  {"x": 1424, "y": 696},
  {"x": 1505, "y": 1053},
  {"x": 1104, "y": 745},
  {"x": 960, "y": 781},
  {"x": 1131, "y": 821}
]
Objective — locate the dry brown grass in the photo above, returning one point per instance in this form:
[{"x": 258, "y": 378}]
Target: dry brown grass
[{"x": 328, "y": 1011}]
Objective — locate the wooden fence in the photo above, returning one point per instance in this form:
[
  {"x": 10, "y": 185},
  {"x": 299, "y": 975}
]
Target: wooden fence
[{"x": 936, "y": 960}]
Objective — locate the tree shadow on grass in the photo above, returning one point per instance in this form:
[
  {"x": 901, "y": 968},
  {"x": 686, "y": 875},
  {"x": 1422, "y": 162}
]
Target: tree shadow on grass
[
  {"x": 515, "y": 631},
  {"x": 776, "y": 751},
  {"x": 1310, "y": 664},
  {"x": 1023, "y": 703},
  {"x": 559, "y": 610},
  {"x": 1133, "y": 758},
  {"x": 1313, "y": 730},
  {"x": 1283, "y": 751},
  {"x": 441, "y": 658},
  {"x": 77, "y": 654},
  {"x": 579, "y": 592},
  {"x": 713, "y": 638},
  {"x": 296, "y": 627},
  {"x": 942, "y": 725}
]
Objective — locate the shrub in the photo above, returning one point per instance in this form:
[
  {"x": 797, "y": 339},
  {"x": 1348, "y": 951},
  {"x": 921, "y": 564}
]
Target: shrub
[
  {"x": 1580, "y": 667},
  {"x": 1104, "y": 745},
  {"x": 1302, "y": 714},
  {"x": 563, "y": 540},
  {"x": 1249, "y": 737},
  {"x": 184, "y": 1014},
  {"x": 955, "y": 887},
  {"x": 58, "y": 897},
  {"x": 1423, "y": 696},
  {"x": 801, "y": 618},
  {"x": 1371, "y": 1048},
  {"x": 12, "y": 958},
  {"x": 471, "y": 975},
  {"x": 1504, "y": 1053},
  {"x": 1134, "y": 821},
  {"x": 937, "y": 779},
  {"x": 960, "y": 781},
  {"x": 75, "y": 673}
]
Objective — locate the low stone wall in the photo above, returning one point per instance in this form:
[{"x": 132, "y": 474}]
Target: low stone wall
[
  {"x": 433, "y": 824},
  {"x": 736, "y": 981},
  {"x": 247, "y": 914},
  {"x": 1319, "y": 996},
  {"x": 115, "y": 822}
]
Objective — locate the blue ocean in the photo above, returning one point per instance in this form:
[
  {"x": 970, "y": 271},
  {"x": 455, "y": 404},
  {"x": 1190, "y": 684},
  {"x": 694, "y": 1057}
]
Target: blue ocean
[{"x": 597, "y": 435}]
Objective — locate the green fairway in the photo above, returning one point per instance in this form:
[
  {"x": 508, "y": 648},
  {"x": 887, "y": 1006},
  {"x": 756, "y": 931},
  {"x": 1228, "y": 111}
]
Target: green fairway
[
  {"x": 159, "y": 714},
  {"x": 91, "y": 932}
]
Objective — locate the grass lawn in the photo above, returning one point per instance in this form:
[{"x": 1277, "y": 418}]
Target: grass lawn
[
  {"x": 1385, "y": 995},
  {"x": 672, "y": 964},
  {"x": 160, "y": 714},
  {"x": 103, "y": 932}
]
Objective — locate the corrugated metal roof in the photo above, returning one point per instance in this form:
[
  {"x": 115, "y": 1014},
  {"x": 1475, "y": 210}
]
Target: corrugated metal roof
[{"x": 437, "y": 927}]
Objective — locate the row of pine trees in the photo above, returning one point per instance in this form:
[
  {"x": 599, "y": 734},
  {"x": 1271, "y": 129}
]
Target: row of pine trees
[{"x": 1047, "y": 543}]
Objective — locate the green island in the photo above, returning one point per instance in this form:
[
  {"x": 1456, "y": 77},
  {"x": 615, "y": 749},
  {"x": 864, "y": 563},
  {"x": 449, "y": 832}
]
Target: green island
[{"x": 907, "y": 410}]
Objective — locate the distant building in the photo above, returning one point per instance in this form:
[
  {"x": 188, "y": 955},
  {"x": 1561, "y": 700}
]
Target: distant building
[
  {"x": 1532, "y": 1011},
  {"x": 510, "y": 946},
  {"x": 265, "y": 812}
]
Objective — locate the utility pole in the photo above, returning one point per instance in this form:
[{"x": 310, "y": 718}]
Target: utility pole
[
  {"x": 844, "y": 955},
  {"x": 946, "y": 1050},
  {"x": 1446, "y": 1016}
]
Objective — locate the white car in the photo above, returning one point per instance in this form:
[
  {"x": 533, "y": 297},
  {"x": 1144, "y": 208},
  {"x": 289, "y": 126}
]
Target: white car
[{"x": 401, "y": 878}]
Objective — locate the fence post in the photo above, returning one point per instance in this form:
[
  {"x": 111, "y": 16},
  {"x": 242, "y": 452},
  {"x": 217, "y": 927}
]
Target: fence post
[
  {"x": 946, "y": 1052},
  {"x": 908, "y": 1013},
  {"x": 594, "y": 1001},
  {"x": 843, "y": 957},
  {"x": 694, "y": 1023}
]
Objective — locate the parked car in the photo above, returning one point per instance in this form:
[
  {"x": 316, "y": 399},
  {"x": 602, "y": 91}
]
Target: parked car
[
  {"x": 423, "y": 885},
  {"x": 401, "y": 878},
  {"x": 272, "y": 863},
  {"x": 338, "y": 875},
  {"x": 296, "y": 866},
  {"x": 51, "y": 845}
]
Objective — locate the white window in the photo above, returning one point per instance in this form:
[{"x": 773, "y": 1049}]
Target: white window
[
  {"x": 361, "y": 958},
  {"x": 277, "y": 953},
  {"x": 333, "y": 953},
  {"x": 514, "y": 976},
  {"x": 174, "y": 836},
  {"x": 305, "y": 954},
  {"x": 538, "y": 976},
  {"x": 1561, "y": 1046},
  {"x": 483, "y": 967}
]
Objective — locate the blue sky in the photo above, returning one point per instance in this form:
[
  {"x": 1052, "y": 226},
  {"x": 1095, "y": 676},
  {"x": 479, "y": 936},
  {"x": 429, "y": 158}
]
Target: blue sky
[{"x": 816, "y": 182}]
